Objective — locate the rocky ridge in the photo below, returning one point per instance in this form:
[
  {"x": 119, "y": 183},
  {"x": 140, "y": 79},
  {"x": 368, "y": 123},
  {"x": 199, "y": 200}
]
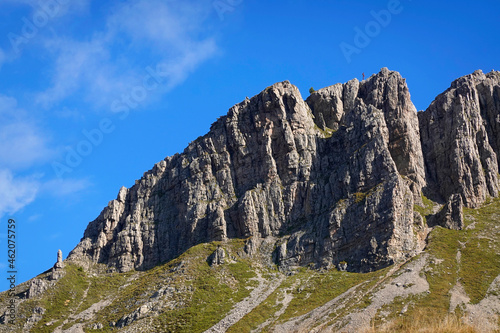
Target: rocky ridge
[{"x": 331, "y": 179}]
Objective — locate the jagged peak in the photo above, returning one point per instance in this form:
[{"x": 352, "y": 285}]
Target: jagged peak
[
  {"x": 385, "y": 73},
  {"x": 354, "y": 88},
  {"x": 261, "y": 168},
  {"x": 473, "y": 78}
]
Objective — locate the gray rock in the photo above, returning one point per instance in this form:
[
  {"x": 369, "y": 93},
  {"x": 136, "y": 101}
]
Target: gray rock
[
  {"x": 327, "y": 106},
  {"x": 217, "y": 257},
  {"x": 134, "y": 316},
  {"x": 450, "y": 216},
  {"x": 460, "y": 135},
  {"x": 36, "y": 288},
  {"x": 37, "y": 315},
  {"x": 58, "y": 269},
  {"x": 386, "y": 91},
  {"x": 238, "y": 180},
  {"x": 97, "y": 326},
  {"x": 342, "y": 266},
  {"x": 59, "y": 263}
]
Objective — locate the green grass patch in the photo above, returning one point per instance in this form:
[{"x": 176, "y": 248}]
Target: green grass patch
[
  {"x": 321, "y": 288},
  {"x": 441, "y": 273},
  {"x": 359, "y": 197},
  {"x": 204, "y": 294},
  {"x": 480, "y": 266},
  {"x": 327, "y": 132},
  {"x": 426, "y": 209},
  {"x": 480, "y": 255},
  {"x": 63, "y": 299},
  {"x": 211, "y": 299},
  {"x": 103, "y": 286}
]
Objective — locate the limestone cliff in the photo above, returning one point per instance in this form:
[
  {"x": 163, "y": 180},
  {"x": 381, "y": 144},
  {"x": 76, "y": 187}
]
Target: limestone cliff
[
  {"x": 460, "y": 135},
  {"x": 334, "y": 178}
]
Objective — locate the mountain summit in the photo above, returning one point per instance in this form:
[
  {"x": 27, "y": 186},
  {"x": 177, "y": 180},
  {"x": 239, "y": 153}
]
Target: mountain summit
[{"x": 330, "y": 179}]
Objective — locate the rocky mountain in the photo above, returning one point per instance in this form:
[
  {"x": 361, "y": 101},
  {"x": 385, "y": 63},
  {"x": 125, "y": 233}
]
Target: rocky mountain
[
  {"x": 341, "y": 192},
  {"x": 353, "y": 179}
]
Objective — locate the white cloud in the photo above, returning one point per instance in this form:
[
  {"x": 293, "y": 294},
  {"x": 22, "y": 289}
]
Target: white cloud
[
  {"x": 15, "y": 192},
  {"x": 22, "y": 142},
  {"x": 64, "y": 187},
  {"x": 18, "y": 192},
  {"x": 34, "y": 218},
  {"x": 21, "y": 146},
  {"x": 137, "y": 34},
  {"x": 78, "y": 65},
  {"x": 165, "y": 24},
  {"x": 73, "y": 6}
]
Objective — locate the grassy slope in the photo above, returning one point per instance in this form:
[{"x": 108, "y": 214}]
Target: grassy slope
[
  {"x": 475, "y": 269},
  {"x": 204, "y": 294},
  {"x": 479, "y": 264},
  {"x": 310, "y": 289}
]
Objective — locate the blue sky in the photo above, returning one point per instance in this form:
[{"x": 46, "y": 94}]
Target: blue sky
[{"x": 94, "y": 93}]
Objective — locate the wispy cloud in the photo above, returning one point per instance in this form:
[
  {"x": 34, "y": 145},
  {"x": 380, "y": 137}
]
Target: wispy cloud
[
  {"x": 15, "y": 192},
  {"x": 99, "y": 68},
  {"x": 22, "y": 142},
  {"x": 62, "y": 7},
  {"x": 64, "y": 187},
  {"x": 79, "y": 65},
  {"x": 21, "y": 145},
  {"x": 18, "y": 192},
  {"x": 137, "y": 34},
  {"x": 34, "y": 218},
  {"x": 24, "y": 146}
]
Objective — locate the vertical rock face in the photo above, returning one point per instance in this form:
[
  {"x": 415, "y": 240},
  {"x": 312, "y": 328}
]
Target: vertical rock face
[
  {"x": 246, "y": 177},
  {"x": 331, "y": 180},
  {"x": 386, "y": 91},
  {"x": 460, "y": 133}
]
